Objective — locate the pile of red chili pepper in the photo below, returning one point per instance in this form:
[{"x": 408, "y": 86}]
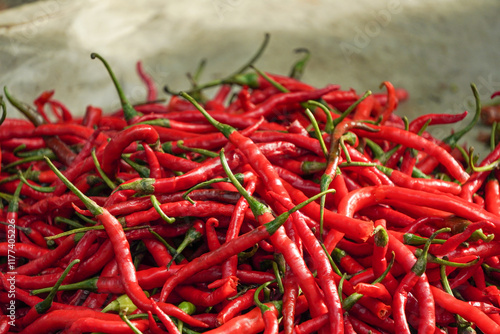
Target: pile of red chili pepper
[{"x": 269, "y": 206}]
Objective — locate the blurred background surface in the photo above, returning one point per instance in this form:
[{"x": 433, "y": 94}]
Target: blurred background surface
[{"x": 434, "y": 49}]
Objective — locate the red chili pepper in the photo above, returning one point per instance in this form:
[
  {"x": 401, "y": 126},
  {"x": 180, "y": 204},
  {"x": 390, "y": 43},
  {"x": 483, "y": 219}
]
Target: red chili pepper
[
  {"x": 4, "y": 324},
  {"x": 150, "y": 84},
  {"x": 113, "y": 150},
  {"x": 431, "y": 185},
  {"x": 236, "y": 306},
  {"x": 268, "y": 106},
  {"x": 415, "y": 141},
  {"x": 27, "y": 251},
  {"x": 251, "y": 322},
  {"x": 322, "y": 264},
  {"x": 122, "y": 254},
  {"x": 468, "y": 312},
  {"x": 217, "y": 103},
  {"x": 392, "y": 102},
  {"x": 208, "y": 299},
  {"x": 230, "y": 266}
]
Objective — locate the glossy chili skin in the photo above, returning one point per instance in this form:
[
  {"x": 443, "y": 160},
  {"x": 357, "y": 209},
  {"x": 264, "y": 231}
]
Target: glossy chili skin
[
  {"x": 113, "y": 150},
  {"x": 409, "y": 139},
  {"x": 251, "y": 322}
]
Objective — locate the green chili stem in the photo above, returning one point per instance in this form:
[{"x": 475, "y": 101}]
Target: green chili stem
[
  {"x": 156, "y": 205},
  {"x": 130, "y": 324},
  {"x": 128, "y": 110},
  {"x": 328, "y": 113},
  {"x": 317, "y": 131},
  {"x": 351, "y": 108},
  {"x": 103, "y": 175},
  {"x": 210, "y": 154},
  {"x": 35, "y": 187},
  {"x": 45, "y": 304},
  {"x": 298, "y": 67}
]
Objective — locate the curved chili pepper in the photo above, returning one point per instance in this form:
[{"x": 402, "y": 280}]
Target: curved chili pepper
[
  {"x": 27, "y": 251},
  {"x": 45, "y": 261},
  {"x": 61, "y": 150},
  {"x": 122, "y": 253},
  {"x": 205, "y": 171},
  {"x": 371, "y": 195},
  {"x": 113, "y": 150},
  {"x": 44, "y": 306},
  {"x": 230, "y": 266},
  {"x": 353, "y": 228},
  {"x": 68, "y": 129},
  {"x": 208, "y": 299},
  {"x": 235, "y": 246},
  {"x": 404, "y": 180},
  {"x": 236, "y": 306},
  {"x": 468, "y": 312},
  {"x": 59, "y": 319},
  {"x": 148, "y": 80},
  {"x": 287, "y": 98},
  {"x": 415, "y": 141},
  {"x": 392, "y": 102}
]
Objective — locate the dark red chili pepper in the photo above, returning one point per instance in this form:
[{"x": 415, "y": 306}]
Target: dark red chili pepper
[{"x": 360, "y": 327}]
